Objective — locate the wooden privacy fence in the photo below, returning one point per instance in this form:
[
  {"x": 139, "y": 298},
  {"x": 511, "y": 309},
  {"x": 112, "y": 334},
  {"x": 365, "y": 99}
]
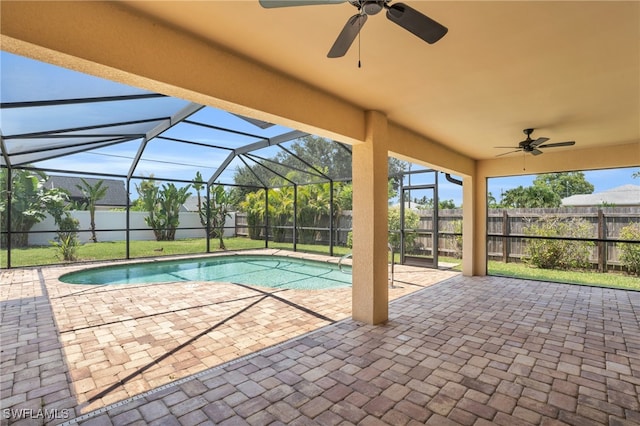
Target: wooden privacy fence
[
  {"x": 316, "y": 234},
  {"x": 507, "y": 240}
]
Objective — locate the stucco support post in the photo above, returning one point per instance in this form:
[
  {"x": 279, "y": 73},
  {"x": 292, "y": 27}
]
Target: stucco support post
[
  {"x": 474, "y": 226},
  {"x": 370, "y": 293}
]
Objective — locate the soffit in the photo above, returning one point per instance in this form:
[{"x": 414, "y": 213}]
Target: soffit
[{"x": 569, "y": 69}]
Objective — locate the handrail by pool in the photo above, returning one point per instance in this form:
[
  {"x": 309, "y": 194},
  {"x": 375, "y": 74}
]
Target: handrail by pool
[
  {"x": 393, "y": 262},
  {"x": 350, "y": 255},
  {"x": 346, "y": 256}
]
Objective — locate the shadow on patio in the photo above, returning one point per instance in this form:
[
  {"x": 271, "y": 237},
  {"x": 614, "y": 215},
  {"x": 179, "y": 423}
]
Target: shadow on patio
[
  {"x": 111, "y": 343},
  {"x": 466, "y": 351}
]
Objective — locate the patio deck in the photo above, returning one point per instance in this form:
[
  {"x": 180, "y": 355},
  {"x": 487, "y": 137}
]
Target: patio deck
[{"x": 483, "y": 350}]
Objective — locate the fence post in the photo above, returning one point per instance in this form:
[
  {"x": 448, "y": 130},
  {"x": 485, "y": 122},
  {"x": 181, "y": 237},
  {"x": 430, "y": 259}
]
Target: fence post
[
  {"x": 602, "y": 246},
  {"x": 506, "y": 242}
]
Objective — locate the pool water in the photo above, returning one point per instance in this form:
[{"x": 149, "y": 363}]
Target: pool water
[{"x": 266, "y": 271}]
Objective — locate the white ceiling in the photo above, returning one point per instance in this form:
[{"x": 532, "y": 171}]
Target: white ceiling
[{"x": 569, "y": 69}]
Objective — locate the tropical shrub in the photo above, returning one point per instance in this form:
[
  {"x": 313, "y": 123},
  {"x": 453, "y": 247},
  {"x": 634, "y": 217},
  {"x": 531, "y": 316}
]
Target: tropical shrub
[
  {"x": 411, "y": 221},
  {"x": 629, "y": 252},
  {"x": 280, "y": 211},
  {"x": 457, "y": 228},
  {"x": 30, "y": 201},
  {"x": 558, "y": 253},
  {"x": 254, "y": 206},
  {"x": 163, "y": 205},
  {"x": 313, "y": 206},
  {"x": 217, "y": 207},
  {"x": 66, "y": 241}
]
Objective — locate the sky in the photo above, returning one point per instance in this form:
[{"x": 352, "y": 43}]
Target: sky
[{"x": 24, "y": 79}]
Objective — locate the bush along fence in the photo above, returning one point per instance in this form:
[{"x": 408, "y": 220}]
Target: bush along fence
[
  {"x": 558, "y": 238},
  {"x": 603, "y": 238}
]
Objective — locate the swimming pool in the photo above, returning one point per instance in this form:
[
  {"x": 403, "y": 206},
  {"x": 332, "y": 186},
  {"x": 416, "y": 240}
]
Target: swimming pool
[{"x": 266, "y": 271}]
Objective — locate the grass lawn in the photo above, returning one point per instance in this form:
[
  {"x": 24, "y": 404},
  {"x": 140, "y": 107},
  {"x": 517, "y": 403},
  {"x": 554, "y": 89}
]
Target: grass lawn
[
  {"x": 519, "y": 270},
  {"x": 48, "y": 255}
]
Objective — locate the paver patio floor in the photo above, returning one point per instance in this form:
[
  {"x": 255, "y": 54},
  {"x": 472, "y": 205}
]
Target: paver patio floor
[
  {"x": 465, "y": 351},
  {"x": 80, "y": 347}
]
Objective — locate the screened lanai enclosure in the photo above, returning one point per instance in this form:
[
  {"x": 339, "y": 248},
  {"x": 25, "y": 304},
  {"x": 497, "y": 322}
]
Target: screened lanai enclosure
[{"x": 86, "y": 160}]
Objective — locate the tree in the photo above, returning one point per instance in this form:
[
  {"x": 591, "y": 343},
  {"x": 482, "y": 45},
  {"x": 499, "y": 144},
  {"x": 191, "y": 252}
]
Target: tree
[
  {"x": 427, "y": 203},
  {"x": 163, "y": 205},
  {"x": 395, "y": 168},
  {"x": 492, "y": 203},
  {"x": 564, "y": 184},
  {"x": 198, "y": 185},
  {"x": 530, "y": 197},
  {"x": 313, "y": 206},
  {"x": 411, "y": 221},
  {"x": 308, "y": 153},
  {"x": 92, "y": 194},
  {"x": 321, "y": 153},
  {"x": 30, "y": 201},
  {"x": 218, "y": 207},
  {"x": 343, "y": 196},
  {"x": 254, "y": 206},
  {"x": 280, "y": 211}
]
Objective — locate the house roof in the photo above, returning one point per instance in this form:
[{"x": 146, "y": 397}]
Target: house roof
[
  {"x": 116, "y": 194},
  {"x": 625, "y": 195},
  {"x": 191, "y": 204}
]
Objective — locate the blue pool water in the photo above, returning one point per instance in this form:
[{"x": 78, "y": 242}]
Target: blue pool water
[{"x": 266, "y": 271}]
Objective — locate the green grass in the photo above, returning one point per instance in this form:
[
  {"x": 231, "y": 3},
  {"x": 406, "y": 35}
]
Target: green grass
[
  {"x": 520, "y": 270},
  {"x": 48, "y": 255}
]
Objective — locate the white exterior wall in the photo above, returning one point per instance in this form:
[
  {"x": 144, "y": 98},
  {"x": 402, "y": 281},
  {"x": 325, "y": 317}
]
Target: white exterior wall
[{"x": 118, "y": 220}]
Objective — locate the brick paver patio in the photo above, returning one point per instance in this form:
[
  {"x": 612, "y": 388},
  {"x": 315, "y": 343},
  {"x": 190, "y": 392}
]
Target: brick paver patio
[{"x": 470, "y": 351}]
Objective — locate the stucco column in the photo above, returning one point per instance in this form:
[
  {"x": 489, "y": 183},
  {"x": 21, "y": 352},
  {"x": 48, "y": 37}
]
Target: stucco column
[
  {"x": 474, "y": 226},
  {"x": 370, "y": 203}
]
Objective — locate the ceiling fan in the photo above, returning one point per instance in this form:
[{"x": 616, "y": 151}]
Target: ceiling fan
[
  {"x": 533, "y": 145},
  {"x": 408, "y": 18}
]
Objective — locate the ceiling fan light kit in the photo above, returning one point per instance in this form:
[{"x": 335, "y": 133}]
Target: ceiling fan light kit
[
  {"x": 533, "y": 146},
  {"x": 405, "y": 16}
]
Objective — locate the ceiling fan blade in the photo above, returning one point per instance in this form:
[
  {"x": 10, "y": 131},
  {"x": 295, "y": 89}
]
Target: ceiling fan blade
[
  {"x": 553, "y": 145},
  {"x": 535, "y": 151},
  {"x": 507, "y": 153},
  {"x": 269, "y": 4},
  {"x": 512, "y": 147},
  {"x": 415, "y": 22},
  {"x": 347, "y": 35},
  {"x": 538, "y": 141}
]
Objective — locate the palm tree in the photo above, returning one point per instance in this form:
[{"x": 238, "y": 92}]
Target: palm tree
[
  {"x": 198, "y": 185},
  {"x": 280, "y": 211},
  {"x": 219, "y": 206},
  {"x": 254, "y": 206},
  {"x": 93, "y": 194}
]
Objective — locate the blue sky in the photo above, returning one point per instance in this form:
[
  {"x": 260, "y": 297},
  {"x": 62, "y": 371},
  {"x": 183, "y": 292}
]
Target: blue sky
[
  {"x": 23, "y": 79},
  {"x": 602, "y": 180}
]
